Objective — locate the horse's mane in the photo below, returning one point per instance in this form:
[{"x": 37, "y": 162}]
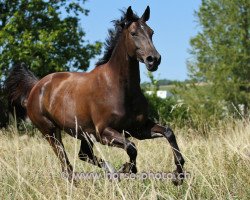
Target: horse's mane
[{"x": 113, "y": 36}]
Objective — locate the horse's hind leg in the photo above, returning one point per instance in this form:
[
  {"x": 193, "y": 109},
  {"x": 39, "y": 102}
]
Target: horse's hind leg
[
  {"x": 53, "y": 136},
  {"x": 112, "y": 137},
  {"x": 55, "y": 140},
  {"x": 86, "y": 153}
]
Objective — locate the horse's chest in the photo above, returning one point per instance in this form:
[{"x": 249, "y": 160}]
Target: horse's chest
[{"x": 129, "y": 113}]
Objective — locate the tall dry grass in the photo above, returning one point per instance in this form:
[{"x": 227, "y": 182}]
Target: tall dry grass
[{"x": 219, "y": 166}]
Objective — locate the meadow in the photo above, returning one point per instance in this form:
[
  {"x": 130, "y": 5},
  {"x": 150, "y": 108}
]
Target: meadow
[{"x": 218, "y": 165}]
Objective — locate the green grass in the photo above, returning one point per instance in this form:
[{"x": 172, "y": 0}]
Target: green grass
[{"x": 218, "y": 164}]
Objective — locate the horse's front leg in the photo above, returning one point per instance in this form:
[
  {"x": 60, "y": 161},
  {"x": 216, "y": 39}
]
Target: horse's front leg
[
  {"x": 86, "y": 153},
  {"x": 153, "y": 130},
  {"x": 114, "y": 138}
]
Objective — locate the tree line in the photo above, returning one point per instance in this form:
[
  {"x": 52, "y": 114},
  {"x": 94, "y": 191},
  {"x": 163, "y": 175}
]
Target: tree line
[{"x": 46, "y": 35}]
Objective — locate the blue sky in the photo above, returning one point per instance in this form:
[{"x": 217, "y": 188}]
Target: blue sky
[{"x": 172, "y": 21}]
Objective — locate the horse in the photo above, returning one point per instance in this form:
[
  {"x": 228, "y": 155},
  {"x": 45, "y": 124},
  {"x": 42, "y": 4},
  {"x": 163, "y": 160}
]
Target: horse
[{"x": 105, "y": 105}]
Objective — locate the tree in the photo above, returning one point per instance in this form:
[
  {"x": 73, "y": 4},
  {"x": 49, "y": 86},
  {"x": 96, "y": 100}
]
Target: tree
[
  {"x": 221, "y": 50},
  {"x": 36, "y": 32}
]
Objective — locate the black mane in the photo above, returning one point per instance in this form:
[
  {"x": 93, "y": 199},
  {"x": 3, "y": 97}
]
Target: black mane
[{"x": 113, "y": 36}]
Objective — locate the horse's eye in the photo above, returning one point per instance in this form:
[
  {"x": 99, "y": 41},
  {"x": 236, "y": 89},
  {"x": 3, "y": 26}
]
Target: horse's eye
[{"x": 133, "y": 33}]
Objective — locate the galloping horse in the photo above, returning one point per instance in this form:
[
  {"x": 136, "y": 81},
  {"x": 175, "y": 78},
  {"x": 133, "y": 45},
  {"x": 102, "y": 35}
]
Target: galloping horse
[{"x": 106, "y": 104}]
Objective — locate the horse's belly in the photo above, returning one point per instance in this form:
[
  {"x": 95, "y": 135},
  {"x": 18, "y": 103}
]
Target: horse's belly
[{"x": 127, "y": 121}]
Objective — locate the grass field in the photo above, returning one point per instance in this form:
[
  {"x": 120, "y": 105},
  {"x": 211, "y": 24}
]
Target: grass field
[{"x": 219, "y": 167}]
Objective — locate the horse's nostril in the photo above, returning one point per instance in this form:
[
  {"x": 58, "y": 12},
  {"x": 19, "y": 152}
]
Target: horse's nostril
[{"x": 150, "y": 59}]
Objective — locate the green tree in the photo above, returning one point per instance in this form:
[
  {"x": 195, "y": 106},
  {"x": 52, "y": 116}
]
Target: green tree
[
  {"x": 221, "y": 50},
  {"x": 45, "y": 35}
]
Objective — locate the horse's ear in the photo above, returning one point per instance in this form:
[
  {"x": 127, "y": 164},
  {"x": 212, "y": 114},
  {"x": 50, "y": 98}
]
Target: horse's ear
[
  {"x": 146, "y": 14},
  {"x": 129, "y": 14}
]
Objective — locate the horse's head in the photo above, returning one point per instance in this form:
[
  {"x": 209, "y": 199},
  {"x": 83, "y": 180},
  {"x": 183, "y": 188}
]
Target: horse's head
[{"x": 139, "y": 40}]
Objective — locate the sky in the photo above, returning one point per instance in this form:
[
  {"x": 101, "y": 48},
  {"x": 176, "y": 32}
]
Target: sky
[{"x": 173, "y": 22}]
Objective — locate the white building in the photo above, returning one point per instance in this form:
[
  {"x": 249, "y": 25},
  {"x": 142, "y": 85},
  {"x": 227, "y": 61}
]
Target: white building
[{"x": 161, "y": 93}]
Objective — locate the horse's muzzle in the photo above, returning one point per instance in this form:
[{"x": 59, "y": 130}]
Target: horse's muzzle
[{"x": 152, "y": 62}]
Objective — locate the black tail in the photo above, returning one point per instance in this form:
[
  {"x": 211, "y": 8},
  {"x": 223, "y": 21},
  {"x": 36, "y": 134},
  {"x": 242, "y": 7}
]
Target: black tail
[{"x": 18, "y": 86}]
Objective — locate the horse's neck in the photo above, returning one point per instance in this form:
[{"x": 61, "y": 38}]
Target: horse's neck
[{"x": 124, "y": 69}]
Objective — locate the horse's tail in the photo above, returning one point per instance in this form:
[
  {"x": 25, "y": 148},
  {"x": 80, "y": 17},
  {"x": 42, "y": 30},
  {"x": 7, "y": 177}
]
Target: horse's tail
[{"x": 18, "y": 86}]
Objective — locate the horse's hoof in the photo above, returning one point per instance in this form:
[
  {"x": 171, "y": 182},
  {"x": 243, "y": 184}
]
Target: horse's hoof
[
  {"x": 133, "y": 169},
  {"x": 177, "y": 178},
  {"x": 128, "y": 168},
  {"x": 76, "y": 182},
  {"x": 71, "y": 177},
  {"x": 107, "y": 167}
]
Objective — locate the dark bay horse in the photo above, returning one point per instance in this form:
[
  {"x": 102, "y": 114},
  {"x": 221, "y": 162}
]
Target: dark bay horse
[{"x": 106, "y": 104}]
